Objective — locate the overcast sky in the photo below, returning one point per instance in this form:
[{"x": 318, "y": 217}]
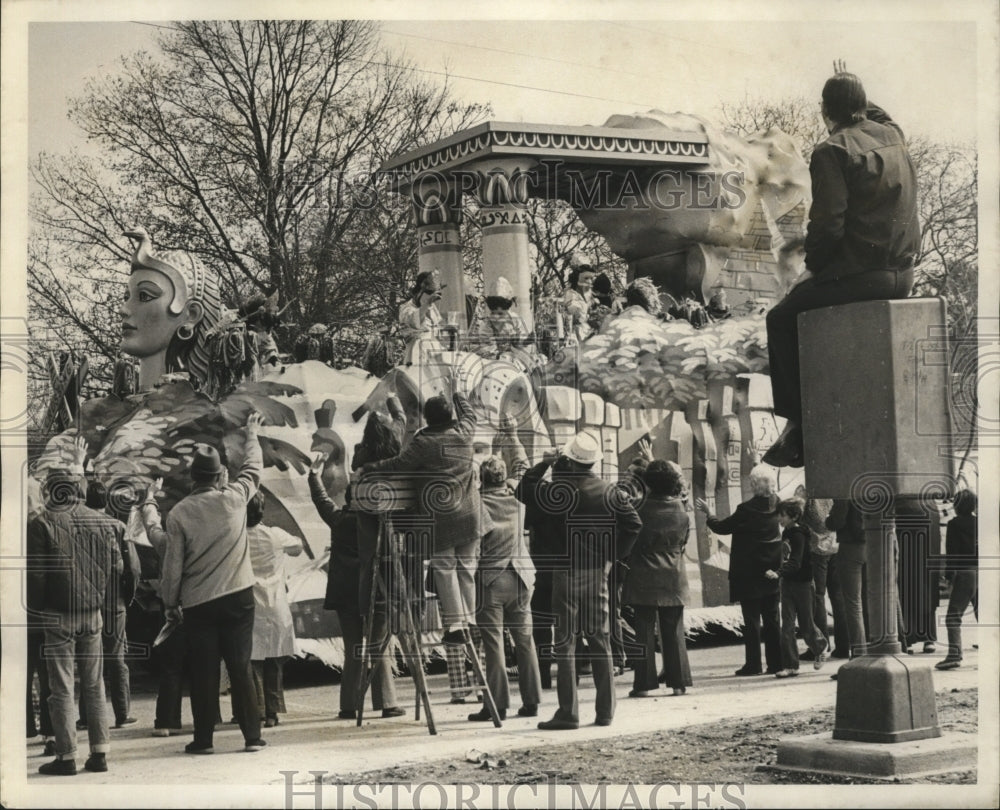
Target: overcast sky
[{"x": 582, "y": 71}]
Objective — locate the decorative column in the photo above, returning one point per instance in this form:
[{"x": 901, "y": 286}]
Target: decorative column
[
  {"x": 437, "y": 211},
  {"x": 503, "y": 195}
]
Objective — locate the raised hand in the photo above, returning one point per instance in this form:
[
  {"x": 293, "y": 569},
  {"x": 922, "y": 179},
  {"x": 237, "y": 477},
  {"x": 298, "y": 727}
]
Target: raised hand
[
  {"x": 80, "y": 450},
  {"x": 318, "y": 460},
  {"x": 254, "y": 421},
  {"x": 646, "y": 448},
  {"x": 155, "y": 490},
  {"x": 839, "y": 66}
]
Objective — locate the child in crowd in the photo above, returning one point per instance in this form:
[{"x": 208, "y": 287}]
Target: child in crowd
[
  {"x": 797, "y": 591},
  {"x": 962, "y": 550}
]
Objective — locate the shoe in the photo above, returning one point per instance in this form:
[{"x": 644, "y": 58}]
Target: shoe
[
  {"x": 97, "y": 763},
  {"x": 348, "y": 714},
  {"x": 640, "y": 693},
  {"x": 807, "y": 656},
  {"x": 771, "y": 671},
  {"x": 949, "y": 663},
  {"x": 394, "y": 711},
  {"x": 555, "y": 724},
  {"x": 484, "y": 714},
  {"x": 528, "y": 710},
  {"x": 59, "y": 767},
  {"x": 787, "y": 450},
  {"x": 271, "y": 722},
  {"x": 838, "y": 653},
  {"x": 929, "y": 647},
  {"x": 161, "y": 732},
  {"x": 602, "y": 721},
  {"x": 128, "y": 721},
  {"x": 81, "y": 725},
  {"x": 50, "y": 748},
  {"x": 833, "y": 677},
  {"x": 746, "y": 672},
  {"x": 255, "y": 745},
  {"x": 197, "y": 748},
  {"x": 454, "y": 638},
  {"x": 679, "y": 690},
  {"x": 458, "y": 701},
  {"x": 786, "y": 673},
  {"x": 820, "y": 658}
]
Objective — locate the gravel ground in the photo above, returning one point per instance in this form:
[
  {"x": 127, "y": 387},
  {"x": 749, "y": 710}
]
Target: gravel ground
[{"x": 731, "y": 751}]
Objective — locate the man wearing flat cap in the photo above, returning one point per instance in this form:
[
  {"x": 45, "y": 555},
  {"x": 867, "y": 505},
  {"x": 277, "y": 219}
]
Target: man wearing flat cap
[
  {"x": 73, "y": 559},
  {"x": 587, "y": 523},
  {"x": 207, "y": 582}
]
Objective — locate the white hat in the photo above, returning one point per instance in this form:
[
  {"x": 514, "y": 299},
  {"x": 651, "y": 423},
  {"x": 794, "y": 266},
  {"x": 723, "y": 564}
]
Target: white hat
[
  {"x": 501, "y": 288},
  {"x": 583, "y": 448}
]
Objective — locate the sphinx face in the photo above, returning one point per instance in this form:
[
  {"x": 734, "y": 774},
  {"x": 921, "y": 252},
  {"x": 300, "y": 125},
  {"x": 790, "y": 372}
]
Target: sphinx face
[{"x": 147, "y": 326}]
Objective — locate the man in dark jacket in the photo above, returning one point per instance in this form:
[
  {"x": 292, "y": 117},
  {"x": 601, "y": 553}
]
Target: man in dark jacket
[
  {"x": 73, "y": 555},
  {"x": 755, "y": 549},
  {"x": 348, "y": 590},
  {"x": 590, "y": 523},
  {"x": 439, "y": 460},
  {"x": 862, "y": 240},
  {"x": 797, "y": 591}
]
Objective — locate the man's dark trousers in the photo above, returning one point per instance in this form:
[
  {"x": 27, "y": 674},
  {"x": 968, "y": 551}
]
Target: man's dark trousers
[
  {"x": 222, "y": 629},
  {"x": 831, "y": 288}
]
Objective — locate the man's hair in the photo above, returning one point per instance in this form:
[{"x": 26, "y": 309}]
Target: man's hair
[
  {"x": 205, "y": 479},
  {"x": 97, "y": 496},
  {"x": 493, "y": 471},
  {"x": 566, "y": 464},
  {"x": 255, "y": 509},
  {"x": 791, "y": 507},
  {"x": 663, "y": 478},
  {"x": 379, "y": 439},
  {"x": 437, "y": 411},
  {"x": 762, "y": 481},
  {"x": 62, "y": 488},
  {"x": 844, "y": 98},
  {"x": 965, "y": 502}
]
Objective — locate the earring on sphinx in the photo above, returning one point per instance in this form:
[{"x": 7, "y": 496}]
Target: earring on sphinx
[{"x": 185, "y": 332}]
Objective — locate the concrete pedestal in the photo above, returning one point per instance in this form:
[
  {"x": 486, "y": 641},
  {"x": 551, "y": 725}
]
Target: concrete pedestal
[
  {"x": 819, "y": 753},
  {"x": 885, "y": 699}
]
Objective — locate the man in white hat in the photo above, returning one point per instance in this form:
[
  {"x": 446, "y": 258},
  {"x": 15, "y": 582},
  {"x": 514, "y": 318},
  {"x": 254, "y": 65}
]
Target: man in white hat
[{"x": 587, "y": 523}]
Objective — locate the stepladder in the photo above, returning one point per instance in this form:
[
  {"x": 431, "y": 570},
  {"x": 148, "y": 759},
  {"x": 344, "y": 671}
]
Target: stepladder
[{"x": 392, "y": 591}]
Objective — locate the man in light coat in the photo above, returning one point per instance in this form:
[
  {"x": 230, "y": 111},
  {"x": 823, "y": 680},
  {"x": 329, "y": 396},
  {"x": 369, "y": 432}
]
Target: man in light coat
[
  {"x": 207, "y": 583},
  {"x": 506, "y": 578}
]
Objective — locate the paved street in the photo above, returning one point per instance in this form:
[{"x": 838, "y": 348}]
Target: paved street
[{"x": 310, "y": 737}]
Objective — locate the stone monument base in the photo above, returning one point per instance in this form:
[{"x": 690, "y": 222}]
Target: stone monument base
[{"x": 820, "y": 753}]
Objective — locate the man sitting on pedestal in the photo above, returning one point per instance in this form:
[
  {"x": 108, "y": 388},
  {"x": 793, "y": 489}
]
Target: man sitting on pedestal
[{"x": 862, "y": 240}]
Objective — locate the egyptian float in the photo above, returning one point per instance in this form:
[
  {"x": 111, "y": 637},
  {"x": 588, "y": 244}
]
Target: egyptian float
[{"x": 709, "y": 220}]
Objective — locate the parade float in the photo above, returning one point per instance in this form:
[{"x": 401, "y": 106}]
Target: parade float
[{"x": 696, "y": 211}]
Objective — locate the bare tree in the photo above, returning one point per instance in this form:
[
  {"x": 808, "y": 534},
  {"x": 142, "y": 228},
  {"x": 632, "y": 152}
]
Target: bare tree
[
  {"x": 251, "y": 144},
  {"x": 798, "y": 117}
]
